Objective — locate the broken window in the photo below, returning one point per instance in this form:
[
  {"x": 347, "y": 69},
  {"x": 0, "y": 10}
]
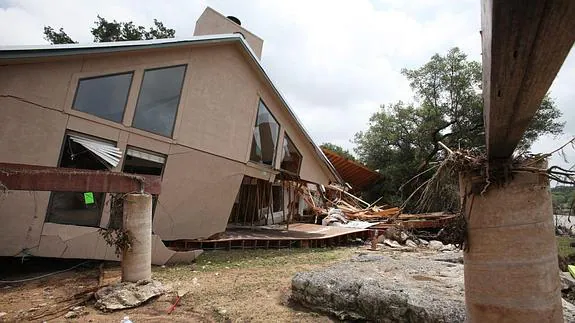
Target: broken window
[
  {"x": 258, "y": 202},
  {"x": 136, "y": 162},
  {"x": 82, "y": 208},
  {"x": 265, "y": 138},
  {"x": 291, "y": 158},
  {"x": 104, "y": 96},
  {"x": 159, "y": 99}
]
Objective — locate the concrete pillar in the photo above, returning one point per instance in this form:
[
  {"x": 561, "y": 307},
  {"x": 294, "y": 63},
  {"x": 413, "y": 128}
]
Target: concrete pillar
[
  {"x": 137, "y": 262},
  {"x": 511, "y": 270}
]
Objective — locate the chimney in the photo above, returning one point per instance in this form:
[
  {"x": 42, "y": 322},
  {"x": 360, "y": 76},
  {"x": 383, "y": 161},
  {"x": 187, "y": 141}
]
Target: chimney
[
  {"x": 212, "y": 22},
  {"x": 234, "y": 19}
]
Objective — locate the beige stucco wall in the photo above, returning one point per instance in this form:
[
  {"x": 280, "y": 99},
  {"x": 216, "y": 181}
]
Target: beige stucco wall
[
  {"x": 200, "y": 190},
  {"x": 206, "y": 159},
  {"x": 220, "y": 104},
  {"x": 212, "y": 22},
  {"x": 28, "y": 135}
]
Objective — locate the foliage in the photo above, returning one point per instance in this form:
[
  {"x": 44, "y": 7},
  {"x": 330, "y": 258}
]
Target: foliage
[
  {"x": 402, "y": 138},
  {"x": 57, "y": 37},
  {"x": 109, "y": 31},
  {"x": 120, "y": 239},
  {"x": 338, "y": 150},
  {"x": 563, "y": 198}
]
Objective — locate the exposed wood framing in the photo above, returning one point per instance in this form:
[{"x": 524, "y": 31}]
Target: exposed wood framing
[
  {"x": 524, "y": 45},
  {"x": 42, "y": 178}
]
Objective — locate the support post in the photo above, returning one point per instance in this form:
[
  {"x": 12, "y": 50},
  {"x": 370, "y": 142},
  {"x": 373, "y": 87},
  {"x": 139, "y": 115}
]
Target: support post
[
  {"x": 137, "y": 262},
  {"x": 511, "y": 267}
]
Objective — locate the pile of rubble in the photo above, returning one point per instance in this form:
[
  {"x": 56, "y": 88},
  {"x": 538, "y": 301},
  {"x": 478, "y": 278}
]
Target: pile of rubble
[
  {"x": 398, "y": 239},
  {"x": 344, "y": 209}
]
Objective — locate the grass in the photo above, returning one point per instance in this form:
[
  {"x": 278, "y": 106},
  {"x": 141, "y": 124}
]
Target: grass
[
  {"x": 213, "y": 261},
  {"x": 564, "y": 247},
  {"x": 247, "y": 285}
]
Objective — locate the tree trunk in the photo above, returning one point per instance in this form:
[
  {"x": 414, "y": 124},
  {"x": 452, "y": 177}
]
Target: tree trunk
[{"x": 511, "y": 269}]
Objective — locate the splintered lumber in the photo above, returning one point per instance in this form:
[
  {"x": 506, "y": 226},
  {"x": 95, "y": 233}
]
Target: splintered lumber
[{"x": 348, "y": 194}]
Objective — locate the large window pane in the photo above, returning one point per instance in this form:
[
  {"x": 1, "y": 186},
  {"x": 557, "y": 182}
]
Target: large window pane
[
  {"x": 159, "y": 99},
  {"x": 265, "y": 137},
  {"x": 291, "y": 158},
  {"x": 104, "y": 96}
]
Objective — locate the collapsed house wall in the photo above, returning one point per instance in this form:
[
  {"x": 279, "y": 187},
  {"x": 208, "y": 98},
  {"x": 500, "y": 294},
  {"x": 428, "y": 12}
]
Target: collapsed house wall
[{"x": 206, "y": 158}]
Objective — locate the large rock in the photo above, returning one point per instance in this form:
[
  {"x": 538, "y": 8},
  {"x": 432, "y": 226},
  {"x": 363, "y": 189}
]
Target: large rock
[
  {"x": 403, "y": 287},
  {"x": 435, "y": 245},
  {"x": 383, "y": 289},
  {"x": 127, "y": 295}
]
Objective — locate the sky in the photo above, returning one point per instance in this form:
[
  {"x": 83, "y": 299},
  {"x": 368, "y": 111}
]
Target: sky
[{"x": 335, "y": 61}]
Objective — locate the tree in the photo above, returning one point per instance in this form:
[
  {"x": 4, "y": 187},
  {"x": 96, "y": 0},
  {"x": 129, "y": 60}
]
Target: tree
[
  {"x": 108, "y": 31},
  {"x": 402, "y": 139},
  {"x": 338, "y": 150}
]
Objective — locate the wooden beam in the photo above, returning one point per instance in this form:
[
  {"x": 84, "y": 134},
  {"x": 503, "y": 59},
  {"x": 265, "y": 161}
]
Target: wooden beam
[
  {"x": 525, "y": 42},
  {"x": 42, "y": 178}
]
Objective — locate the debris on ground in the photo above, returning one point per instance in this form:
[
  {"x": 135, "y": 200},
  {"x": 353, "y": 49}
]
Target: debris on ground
[
  {"x": 127, "y": 295},
  {"x": 344, "y": 209}
]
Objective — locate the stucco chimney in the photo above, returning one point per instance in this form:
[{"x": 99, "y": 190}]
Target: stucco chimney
[
  {"x": 234, "y": 19},
  {"x": 212, "y": 22}
]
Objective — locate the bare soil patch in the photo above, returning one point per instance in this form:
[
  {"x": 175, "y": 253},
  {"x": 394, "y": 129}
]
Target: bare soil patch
[{"x": 223, "y": 286}]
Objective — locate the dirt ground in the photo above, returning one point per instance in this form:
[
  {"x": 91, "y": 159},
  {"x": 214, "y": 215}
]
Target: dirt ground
[{"x": 224, "y": 286}]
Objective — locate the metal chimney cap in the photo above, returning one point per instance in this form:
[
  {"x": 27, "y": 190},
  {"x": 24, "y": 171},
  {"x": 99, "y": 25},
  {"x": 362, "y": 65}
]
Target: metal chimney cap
[{"x": 234, "y": 19}]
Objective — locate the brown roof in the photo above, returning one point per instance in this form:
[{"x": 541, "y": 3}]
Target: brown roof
[{"x": 354, "y": 173}]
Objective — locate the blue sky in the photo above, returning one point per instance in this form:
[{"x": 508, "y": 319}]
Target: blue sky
[{"x": 335, "y": 61}]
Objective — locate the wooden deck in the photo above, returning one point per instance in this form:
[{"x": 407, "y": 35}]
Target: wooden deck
[{"x": 299, "y": 235}]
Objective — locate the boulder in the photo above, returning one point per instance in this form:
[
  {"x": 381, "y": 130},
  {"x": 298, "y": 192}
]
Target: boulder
[
  {"x": 127, "y": 295},
  {"x": 408, "y": 287},
  {"x": 383, "y": 289},
  {"x": 447, "y": 247},
  {"x": 435, "y": 245},
  {"x": 410, "y": 243},
  {"x": 391, "y": 243},
  {"x": 423, "y": 242}
]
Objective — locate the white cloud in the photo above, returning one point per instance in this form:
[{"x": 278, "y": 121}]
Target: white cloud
[{"x": 336, "y": 61}]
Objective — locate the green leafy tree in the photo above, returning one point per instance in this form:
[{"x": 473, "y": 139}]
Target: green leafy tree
[
  {"x": 338, "y": 150},
  {"x": 109, "y": 31},
  {"x": 57, "y": 37},
  {"x": 402, "y": 139}
]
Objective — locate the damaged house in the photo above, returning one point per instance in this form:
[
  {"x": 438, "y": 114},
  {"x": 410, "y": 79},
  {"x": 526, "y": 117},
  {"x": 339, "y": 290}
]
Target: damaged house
[{"x": 200, "y": 112}]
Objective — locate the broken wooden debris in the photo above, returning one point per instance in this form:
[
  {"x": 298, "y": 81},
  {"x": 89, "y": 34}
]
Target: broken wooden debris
[{"x": 345, "y": 209}]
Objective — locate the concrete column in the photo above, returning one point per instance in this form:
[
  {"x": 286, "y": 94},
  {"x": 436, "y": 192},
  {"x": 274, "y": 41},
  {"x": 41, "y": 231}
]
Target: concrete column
[
  {"x": 511, "y": 270},
  {"x": 137, "y": 262}
]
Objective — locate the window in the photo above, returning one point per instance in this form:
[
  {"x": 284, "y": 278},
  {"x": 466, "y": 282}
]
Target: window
[
  {"x": 159, "y": 99},
  {"x": 104, "y": 96},
  {"x": 136, "y": 162},
  {"x": 264, "y": 141},
  {"x": 80, "y": 208},
  {"x": 291, "y": 158}
]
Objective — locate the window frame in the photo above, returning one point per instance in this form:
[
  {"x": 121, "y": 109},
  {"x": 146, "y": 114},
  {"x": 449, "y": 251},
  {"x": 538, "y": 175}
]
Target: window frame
[
  {"x": 277, "y": 139},
  {"x": 102, "y": 207},
  {"x": 171, "y": 136},
  {"x": 297, "y": 150},
  {"x": 80, "y": 79}
]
